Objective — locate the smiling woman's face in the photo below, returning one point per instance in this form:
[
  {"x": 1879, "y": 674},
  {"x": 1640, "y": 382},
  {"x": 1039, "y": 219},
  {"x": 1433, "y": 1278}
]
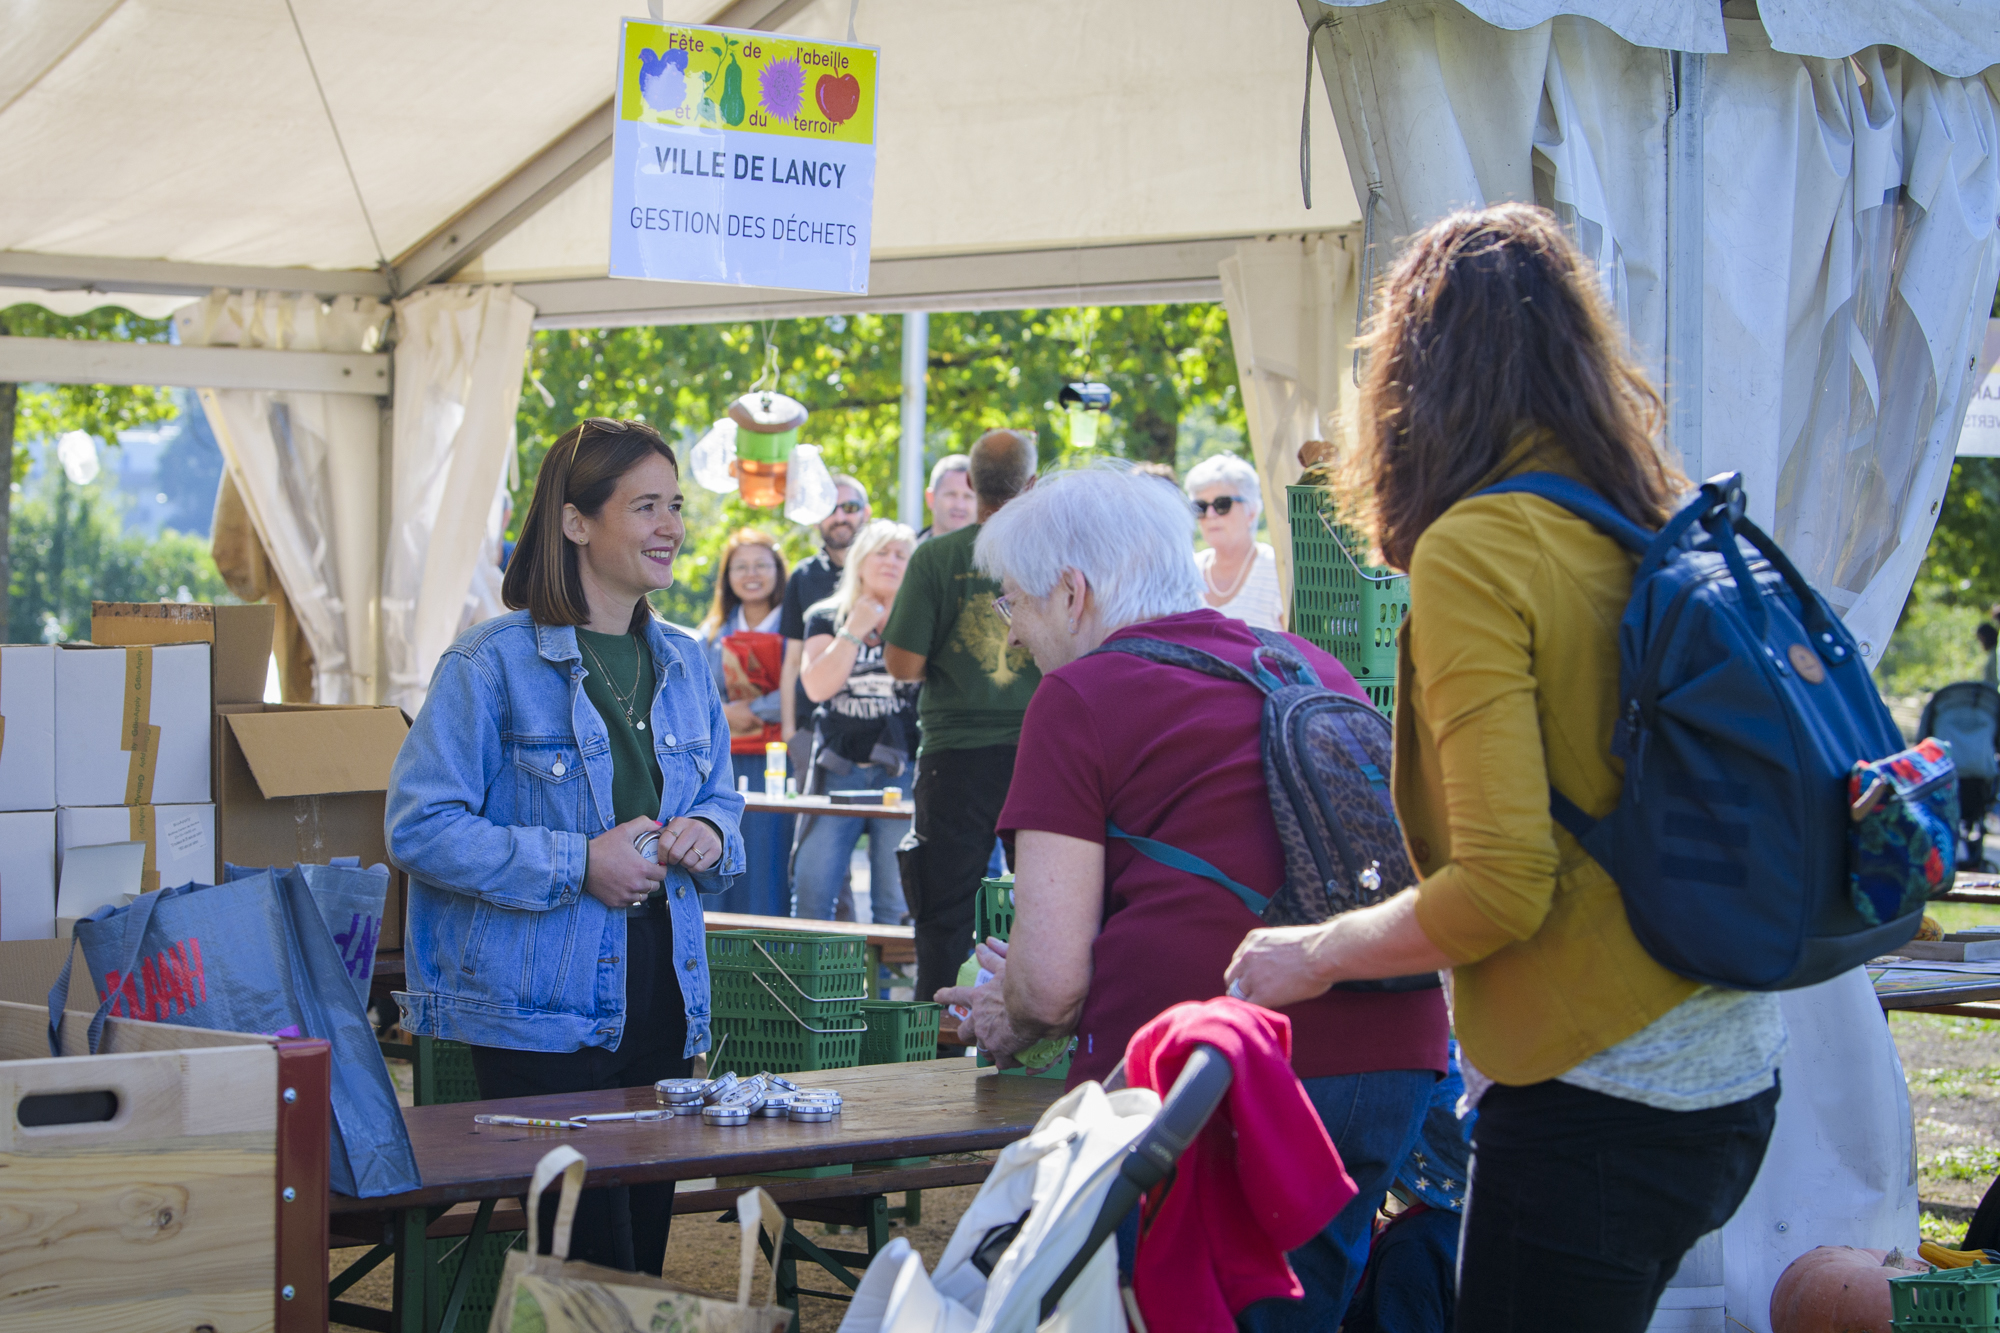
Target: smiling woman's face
[
  {"x": 628, "y": 548},
  {"x": 753, "y": 573}
]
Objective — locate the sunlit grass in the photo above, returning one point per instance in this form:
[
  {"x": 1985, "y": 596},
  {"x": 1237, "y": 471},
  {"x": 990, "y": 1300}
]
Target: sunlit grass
[{"x": 1942, "y": 1230}]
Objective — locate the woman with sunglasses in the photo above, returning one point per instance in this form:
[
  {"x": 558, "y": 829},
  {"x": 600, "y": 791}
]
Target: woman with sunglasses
[
  {"x": 1239, "y": 573},
  {"x": 563, "y": 798}
]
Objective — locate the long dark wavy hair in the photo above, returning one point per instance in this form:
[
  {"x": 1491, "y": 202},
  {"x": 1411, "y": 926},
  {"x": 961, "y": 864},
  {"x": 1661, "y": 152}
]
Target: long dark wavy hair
[{"x": 1489, "y": 327}]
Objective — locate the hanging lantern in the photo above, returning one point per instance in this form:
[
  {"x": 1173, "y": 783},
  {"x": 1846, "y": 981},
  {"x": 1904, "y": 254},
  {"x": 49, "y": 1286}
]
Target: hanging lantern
[
  {"x": 767, "y": 430},
  {"x": 1086, "y": 402}
]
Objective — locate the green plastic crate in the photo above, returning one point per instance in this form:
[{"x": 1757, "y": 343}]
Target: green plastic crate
[
  {"x": 996, "y": 908},
  {"x": 1950, "y": 1300},
  {"x": 785, "y": 1046},
  {"x": 899, "y": 1031},
  {"x": 1350, "y": 610},
  {"x": 765, "y": 973}
]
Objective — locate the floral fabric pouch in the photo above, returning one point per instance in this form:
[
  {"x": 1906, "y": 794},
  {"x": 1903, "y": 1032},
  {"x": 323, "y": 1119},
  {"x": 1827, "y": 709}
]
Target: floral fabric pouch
[{"x": 1903, "y": 844}]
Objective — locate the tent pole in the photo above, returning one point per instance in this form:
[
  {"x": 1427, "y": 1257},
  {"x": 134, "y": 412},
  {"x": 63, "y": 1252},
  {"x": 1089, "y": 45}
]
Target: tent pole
[
  {"x": 916, "y": 359},
  {"x": 1686, "y": 230}
]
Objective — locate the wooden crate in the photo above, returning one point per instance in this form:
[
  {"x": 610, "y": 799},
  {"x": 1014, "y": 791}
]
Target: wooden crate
[{"x": 140, "y": 1188}]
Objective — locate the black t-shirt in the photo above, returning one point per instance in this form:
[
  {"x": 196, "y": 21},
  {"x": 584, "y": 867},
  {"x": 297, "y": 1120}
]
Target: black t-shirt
[
  {"x": 873, "y": 708},
  {"x": 813, "y": 581}
]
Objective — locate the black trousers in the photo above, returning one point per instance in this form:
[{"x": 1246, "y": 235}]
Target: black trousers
[
  {"x": 959, "y": 794},
  {"x": 623, "y": 1227},
  {"x": 1582, "y": 1205}
]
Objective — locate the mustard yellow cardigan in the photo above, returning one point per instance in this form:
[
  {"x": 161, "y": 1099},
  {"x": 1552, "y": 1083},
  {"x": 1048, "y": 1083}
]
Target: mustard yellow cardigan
[{"x": 1508, "y": 677}]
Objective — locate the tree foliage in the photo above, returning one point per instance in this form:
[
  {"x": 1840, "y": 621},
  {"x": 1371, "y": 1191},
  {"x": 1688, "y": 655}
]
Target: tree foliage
[
  {"x": 1171, "y": 370},
  {"x": 69, "y": 547}
]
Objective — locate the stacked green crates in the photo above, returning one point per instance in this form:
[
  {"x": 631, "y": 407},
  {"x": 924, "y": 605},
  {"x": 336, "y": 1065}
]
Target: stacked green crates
[
  {"x": 1350, "y": 610},
  {"x": 787, "y": 1000},
  {"x": 995, "y": 919}
]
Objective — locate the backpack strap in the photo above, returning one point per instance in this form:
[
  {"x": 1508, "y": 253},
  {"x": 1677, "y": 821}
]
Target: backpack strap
[
  {"x": 1570, "y": 815},
  {"x": 1180, "y": 655},
  {"x": 1188, "y": 863}
]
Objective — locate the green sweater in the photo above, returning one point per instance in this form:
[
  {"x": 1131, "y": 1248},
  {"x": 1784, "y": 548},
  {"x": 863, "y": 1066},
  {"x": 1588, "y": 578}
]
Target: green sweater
[{"x": 618, "y": 666}]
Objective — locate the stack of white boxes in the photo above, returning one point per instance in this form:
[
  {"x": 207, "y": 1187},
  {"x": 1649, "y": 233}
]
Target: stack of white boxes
[
  {"x": 131, "y": 740},
  {"x": 27, "y": 792}
]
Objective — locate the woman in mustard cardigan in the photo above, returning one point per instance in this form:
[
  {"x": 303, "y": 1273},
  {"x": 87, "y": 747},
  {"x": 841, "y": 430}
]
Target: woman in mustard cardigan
[{"x": 1623, "y": 1110}]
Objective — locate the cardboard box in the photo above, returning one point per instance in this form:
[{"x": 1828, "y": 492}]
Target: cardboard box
[
  {"x": 179, "y": 839},
  {"x": 308, "y": 782},
  {"x": 240, "y": 637},
  {"x": 28, "y": 876},
  {"x": 27, "y": 727},
  {"x": 132, "y": 725}
]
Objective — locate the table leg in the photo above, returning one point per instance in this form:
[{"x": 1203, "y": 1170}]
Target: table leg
[
  {"x": 470, "y": 1251},
  {"x": 412, "y": 1288}
]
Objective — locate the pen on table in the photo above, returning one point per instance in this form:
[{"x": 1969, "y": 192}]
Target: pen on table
[
  {"x": 526, "y": 1121},
  {"x": 600, "y": 1116}
]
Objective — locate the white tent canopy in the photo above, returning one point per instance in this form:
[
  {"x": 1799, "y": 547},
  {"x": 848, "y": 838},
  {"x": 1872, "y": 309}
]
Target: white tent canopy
[{"x": 1031, "y": 153}]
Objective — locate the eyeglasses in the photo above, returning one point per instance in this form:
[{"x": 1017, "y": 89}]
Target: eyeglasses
[
  {"x": 1221, "y": 504},
  {"x": 849, "y": 507},
  {"x": 1003, "y": 607}
]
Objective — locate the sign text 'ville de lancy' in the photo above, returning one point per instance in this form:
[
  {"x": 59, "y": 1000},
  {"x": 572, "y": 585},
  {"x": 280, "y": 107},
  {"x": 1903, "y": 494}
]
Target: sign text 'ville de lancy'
[{"x": 742, "y": 158}]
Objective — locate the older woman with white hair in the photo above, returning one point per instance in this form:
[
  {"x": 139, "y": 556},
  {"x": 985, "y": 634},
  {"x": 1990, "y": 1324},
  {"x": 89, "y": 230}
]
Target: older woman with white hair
[
  {"x": 1239, "y": 573},
  {"x": 1116, "y": 747}
]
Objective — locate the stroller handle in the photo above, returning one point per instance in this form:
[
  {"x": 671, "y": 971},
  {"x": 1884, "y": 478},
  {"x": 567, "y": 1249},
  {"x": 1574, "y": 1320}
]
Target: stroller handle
[{"x": 1203, "y": 1082}]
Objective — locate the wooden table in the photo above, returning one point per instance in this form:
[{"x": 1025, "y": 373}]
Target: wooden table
[
  {"x": 891, "y": 1113},
  {"x": 822, "y": 805}
]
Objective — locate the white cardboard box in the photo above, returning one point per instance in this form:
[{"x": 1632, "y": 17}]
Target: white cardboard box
[
  {"x": 28, "y": 875},
  {"x": 27, "y": 727},
  {"x": 108, "y": 701},
  {"x": 180, "y": 839}
]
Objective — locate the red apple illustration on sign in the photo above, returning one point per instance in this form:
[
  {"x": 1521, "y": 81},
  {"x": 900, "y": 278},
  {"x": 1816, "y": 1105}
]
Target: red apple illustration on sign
[{"x": 838, "y": 97}]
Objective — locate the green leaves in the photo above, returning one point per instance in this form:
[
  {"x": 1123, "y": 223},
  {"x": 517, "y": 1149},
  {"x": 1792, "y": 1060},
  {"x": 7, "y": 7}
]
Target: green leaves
[
  {"x": 1171, "y": 369},
  {"x": 103, "y": 410}
]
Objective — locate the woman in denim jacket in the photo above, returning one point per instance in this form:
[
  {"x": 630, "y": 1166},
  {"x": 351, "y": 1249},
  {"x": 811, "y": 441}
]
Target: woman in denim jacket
[{"x": 551, "y": 739}]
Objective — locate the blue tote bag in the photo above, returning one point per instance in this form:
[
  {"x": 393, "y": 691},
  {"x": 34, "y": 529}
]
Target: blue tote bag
[{"x": 256, "y": 955}]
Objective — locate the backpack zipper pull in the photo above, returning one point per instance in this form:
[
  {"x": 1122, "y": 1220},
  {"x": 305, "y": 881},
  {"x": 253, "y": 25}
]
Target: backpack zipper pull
[{"x": 1371, "y": 878}]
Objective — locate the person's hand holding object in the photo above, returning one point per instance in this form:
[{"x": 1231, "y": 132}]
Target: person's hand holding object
[
  {"x": 618, "y": 874},
  {"x": 1278, "y": 965},
  {"x": 687, "y": 841},
  {"x": 985, "y": 1024}
]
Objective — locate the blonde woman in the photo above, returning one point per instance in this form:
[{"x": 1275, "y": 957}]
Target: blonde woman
[{"x": 865, "y": 726}]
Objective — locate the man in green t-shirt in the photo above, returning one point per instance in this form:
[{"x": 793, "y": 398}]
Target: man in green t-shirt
[{"x": 945, "y": 632}]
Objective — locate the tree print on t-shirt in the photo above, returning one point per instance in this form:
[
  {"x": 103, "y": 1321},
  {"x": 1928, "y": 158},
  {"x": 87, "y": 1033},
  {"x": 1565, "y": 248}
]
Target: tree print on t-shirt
[{"x": 981, "y": 635}]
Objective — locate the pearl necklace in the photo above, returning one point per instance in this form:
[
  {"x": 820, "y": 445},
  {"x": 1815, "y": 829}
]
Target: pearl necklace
[{"x": 1225, "y": 598}]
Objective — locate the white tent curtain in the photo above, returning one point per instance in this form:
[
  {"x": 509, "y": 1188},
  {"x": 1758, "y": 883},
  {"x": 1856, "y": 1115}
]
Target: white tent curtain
[
  {"x": 1291, "y": 320},
  {"x": 306, "y": 465},
  {"x": 458, "y": 363},
  {"x": 1810, "y": 289}
]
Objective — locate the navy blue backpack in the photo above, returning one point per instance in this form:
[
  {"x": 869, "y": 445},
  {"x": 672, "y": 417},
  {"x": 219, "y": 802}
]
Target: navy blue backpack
[{"x": 1772, "y": 831}]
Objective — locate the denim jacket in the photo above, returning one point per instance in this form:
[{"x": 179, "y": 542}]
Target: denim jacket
[{"x": 504, "y": 780}]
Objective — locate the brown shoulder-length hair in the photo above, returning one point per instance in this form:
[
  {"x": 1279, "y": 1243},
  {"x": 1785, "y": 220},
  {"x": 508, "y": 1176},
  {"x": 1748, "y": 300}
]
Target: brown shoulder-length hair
[
  {"x": 1491, "y": 326},
  {"x": 726, "y": 601},
  {"x": 582, "y": 468}
]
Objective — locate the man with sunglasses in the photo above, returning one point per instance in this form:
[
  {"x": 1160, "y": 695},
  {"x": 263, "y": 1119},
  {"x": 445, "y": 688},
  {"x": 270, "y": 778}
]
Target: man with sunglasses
[
  {"x": 814, "y": 581},
  {"x": 946, "y": 632}
]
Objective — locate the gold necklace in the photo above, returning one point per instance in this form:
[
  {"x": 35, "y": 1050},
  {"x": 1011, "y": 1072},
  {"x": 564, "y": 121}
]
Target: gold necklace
[{"x": 624, "y": 697}]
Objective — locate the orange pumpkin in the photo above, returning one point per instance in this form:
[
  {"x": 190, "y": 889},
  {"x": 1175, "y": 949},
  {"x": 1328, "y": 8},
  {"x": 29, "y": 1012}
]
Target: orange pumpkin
[{"x": 1839, "y": 1289}]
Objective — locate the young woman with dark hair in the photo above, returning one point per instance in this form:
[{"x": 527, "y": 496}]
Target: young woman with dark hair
[
  {"x": 746, "y": 655},
  {"x": 1623, "y": 1110},
  {"x": 552, "y": 739}
]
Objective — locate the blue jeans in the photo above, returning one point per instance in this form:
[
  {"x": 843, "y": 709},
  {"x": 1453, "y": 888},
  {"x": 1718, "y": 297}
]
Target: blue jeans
[
  {"x": 826, "y": 846},
  {"x": 764, "y": 888},
  {"x": 1374, "y": 1120}
]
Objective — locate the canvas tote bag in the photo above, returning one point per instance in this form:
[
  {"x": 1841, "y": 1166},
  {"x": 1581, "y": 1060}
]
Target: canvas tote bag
[{"x": 548, "y": 1293}]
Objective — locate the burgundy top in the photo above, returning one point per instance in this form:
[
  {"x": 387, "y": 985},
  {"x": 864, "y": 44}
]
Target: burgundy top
[{"x": 1171, "y": 754}]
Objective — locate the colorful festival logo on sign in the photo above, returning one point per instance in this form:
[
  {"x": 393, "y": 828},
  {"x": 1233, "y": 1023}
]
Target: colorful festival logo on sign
[{"x": 742, "y": 158}]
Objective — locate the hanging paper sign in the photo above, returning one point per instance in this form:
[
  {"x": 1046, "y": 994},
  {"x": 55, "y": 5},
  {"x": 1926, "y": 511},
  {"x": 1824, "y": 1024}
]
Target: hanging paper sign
[
  {"x": 742, "y": 158},
  {"x": 1980, "y": 437}
]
